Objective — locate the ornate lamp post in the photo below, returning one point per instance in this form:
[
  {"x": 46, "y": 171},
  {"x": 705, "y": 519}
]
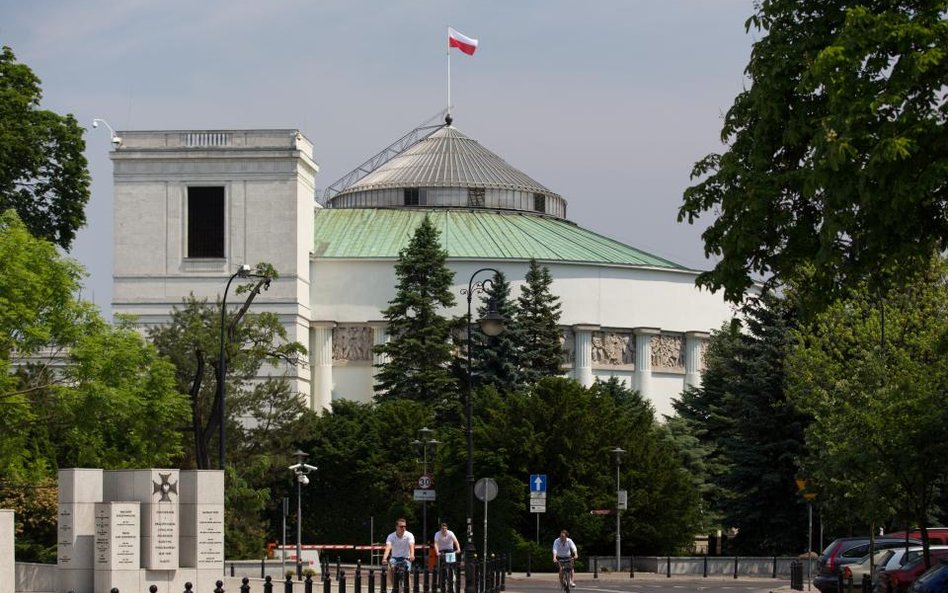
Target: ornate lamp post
[
  {"x": 422, "y": 446},
  {"x": 491, "y": 324},
  {"x": 301, "y": 470},
  {"x": 242, "y": 272},
  {"x": 618, "y": 453}
]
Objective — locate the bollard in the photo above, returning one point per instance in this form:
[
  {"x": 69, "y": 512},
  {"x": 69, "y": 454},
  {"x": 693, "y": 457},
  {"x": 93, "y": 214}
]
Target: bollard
[
  {"x": 595, "y": 567},
  {"x": 153, "y": 589},
  {"x": 866, "y": 583},
  {"x": 668, "y": 566},
  {"x": 231, "y": 569},
  {"x": 775, "y": 568},
  {"x": 219, "y": 588},
  {"x": 383, "y": 579},
  {"x": 631, "y": 566},
  {"x": 503, "y": 577},
  {"x": 426, "y": 580},
  {"x": 341, "y": 588},
  {"x": 245, "y": 585},
  {"x": 327, "y": 585},
  {"x": 415, "y": 571},
  {"x": 268, "y": 584},
  {"x": 735, "y": 567},
  {"x": 263, "y": 568},
  {"x": 187, "y": 587},
  {"x": 308, "y": 584},
  {"x": 705, "y": 572},
  {"x": 528, "y": 563},
  {"x": 288, "y": 584},
  {"x": 357, "y": 583},
  {"x": 371, "y": 580}
]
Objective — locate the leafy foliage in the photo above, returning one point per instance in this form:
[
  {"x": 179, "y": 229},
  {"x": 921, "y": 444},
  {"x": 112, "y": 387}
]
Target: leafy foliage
[
  {"x": 43, "y": 172},
  {"x": 837, "y": 151},
  {"x": 871, "y": 370},
  {"x": 419, "y": 354}
]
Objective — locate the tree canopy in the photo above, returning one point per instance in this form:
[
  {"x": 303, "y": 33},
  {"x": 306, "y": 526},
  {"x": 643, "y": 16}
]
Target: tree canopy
[
  {"x": 837, "y": 153},
  {"x": 43, "y": 173}
]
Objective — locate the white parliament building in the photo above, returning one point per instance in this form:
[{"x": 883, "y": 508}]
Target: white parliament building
[{"x": 192, "y": 206}]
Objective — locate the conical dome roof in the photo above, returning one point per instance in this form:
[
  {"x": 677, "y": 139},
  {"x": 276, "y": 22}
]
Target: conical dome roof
[{"x": 449, "y": 168}]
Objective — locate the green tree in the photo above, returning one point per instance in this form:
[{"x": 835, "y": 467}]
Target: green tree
[
  {"x": 265, "y": 418},
  {"x": 871, "y": 371},
  {"x": 753, "y": 437},
  {"x": 541, "y": 353},
  {"x": 419, "y": 354},
  {"x": 43, "y": 173},
  {"x": 836, "y": 150},
  {"x": 496, "y": 359}
]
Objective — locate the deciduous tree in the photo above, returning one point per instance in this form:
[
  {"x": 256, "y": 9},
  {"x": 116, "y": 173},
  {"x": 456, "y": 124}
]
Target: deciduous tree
[{"x": 837, "y": 151}]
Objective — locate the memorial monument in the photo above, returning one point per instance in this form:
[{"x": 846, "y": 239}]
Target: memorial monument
[{"x": 131, "y": 529}]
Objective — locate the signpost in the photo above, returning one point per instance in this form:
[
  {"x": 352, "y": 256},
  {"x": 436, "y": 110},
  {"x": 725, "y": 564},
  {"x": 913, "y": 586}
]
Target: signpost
[
  {"x": 537, "y": 484},
  {"x": 486, "y": 489}
]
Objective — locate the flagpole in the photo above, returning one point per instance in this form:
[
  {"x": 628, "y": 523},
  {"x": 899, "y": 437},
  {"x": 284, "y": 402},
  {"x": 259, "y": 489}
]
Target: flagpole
[{"x": 449, "y": 74}]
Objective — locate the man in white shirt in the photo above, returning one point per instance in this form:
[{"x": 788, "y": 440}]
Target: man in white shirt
[
  {"x": 446, "y": 541},
  {"x": 564, "y": 549},
  {"x": 399, "y": 549}
]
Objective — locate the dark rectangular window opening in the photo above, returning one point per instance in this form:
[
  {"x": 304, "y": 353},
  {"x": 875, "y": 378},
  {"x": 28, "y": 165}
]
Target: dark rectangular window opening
[
  {"x": 539, "y": 202},
  {"x": 475, "y": 197},
  {"x": 411, "y": 196},
  {"x": 206, "y": 222}
]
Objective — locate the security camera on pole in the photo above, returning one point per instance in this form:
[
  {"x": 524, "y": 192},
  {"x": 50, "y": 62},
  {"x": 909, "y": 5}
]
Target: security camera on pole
[{"x": 301, "y": 470}]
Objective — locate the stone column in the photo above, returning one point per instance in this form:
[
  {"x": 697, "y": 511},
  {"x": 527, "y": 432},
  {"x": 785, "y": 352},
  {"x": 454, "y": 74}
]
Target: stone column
[
  {"x": 379, "y": 337},
  {"x": 693, "y": 343},
  {"x": 79, "y": 490},
  {"x": 7, "y": 565},
  {"x": 642, "y": 376},
  {"x": 321, "y": 354},
  {"x": 582, "y": 353}
]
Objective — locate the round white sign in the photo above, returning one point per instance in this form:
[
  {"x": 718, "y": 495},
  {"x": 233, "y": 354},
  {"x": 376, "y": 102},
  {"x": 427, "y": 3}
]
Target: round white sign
[{"x": 425, "y": 482}]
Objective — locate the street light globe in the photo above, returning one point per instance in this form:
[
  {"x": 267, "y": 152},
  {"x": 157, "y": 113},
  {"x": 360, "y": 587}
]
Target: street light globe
[{"x": 492, "y": 324}]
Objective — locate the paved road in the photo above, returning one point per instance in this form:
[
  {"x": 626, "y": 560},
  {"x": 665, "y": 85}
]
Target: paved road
[{"x": 646, "y": 583}]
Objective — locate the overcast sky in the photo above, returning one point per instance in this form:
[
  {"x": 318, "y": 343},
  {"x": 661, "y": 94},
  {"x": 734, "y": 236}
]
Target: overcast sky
[{"x": 606, "y": 102}]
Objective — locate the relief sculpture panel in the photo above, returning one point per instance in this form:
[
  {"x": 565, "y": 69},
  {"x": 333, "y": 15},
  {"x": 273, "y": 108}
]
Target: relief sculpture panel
[
  {"x": 668, "y": 352},
  {"x": 612, "y": 349},
  {"x": 352, "y": 343}
]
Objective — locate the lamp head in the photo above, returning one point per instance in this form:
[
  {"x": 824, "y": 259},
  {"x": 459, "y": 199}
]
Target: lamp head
[
  {"x": 492, "y": 324},
  {"x": 242, "y": 272},
  {"x": 304, "y": 480}
]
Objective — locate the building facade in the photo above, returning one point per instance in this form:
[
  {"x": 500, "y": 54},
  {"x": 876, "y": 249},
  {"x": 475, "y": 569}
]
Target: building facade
[{"x": 192, "y": 206}]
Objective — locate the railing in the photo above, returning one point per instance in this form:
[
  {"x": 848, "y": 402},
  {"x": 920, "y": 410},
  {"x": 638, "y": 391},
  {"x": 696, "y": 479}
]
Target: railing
[{"x": 487, "y": 577}]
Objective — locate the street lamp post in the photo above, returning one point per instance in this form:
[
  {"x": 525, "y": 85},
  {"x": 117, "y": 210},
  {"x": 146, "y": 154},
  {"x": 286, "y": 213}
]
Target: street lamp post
[
  {"x": 242, "y": 272},
  {"x": 422, "y": 444},
  {"x": 618, "y": 453},
  {"x": 301, "y": 470},
  {"x": 492, "y": 325}
]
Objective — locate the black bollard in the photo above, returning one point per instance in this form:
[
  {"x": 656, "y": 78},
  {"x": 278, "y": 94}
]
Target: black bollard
[
  {"x": 153, "y": 589},
  {"x": 327, "y": 585},
  {"x": 219, "y": 588},
  {"x": 268, "y": 584},
  {"x": 529, "y": 556},
  {"x": 188, "y": 587},
  {"x": 595, "y": 567},
  {"x": 705, "y": 572},
  {"x": 774, "y": 575},
  {"x": 357, "y": 583},
  {"x": 503, "y": 577},
  {"x": 288, "y": 584},
  {"x": 263, "y": 568},
  {"x": 735, "y": 567},
  {"x": 414, "y": 570},
  {"x": 245, "y": 585},
  {"x": 383, "y": 579},
  {"x": 308, "y": 584},
  {"x": 668, "y": 566},
  {"x": 371, "y": 580},
  {"x": 341, "y": 587}
]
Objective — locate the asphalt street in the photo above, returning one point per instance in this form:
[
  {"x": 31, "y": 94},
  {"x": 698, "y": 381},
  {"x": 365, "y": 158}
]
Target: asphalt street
[{"x": 647, "y": 583}]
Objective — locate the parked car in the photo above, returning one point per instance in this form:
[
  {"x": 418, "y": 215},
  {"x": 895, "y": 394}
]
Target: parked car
[
  {"x": 934, "y": 580},
  {"x": 936, "y": 535},
  {"x": 903, "y": 556},
  {"x": 898, "y": 580},
  {"x": 847, "y": 550},
  {"x": 854, "y": 572}
]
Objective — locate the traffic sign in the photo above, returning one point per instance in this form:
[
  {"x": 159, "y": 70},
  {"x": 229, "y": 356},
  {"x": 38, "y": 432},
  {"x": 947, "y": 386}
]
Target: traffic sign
[
  {"x": 538, "y": 483},
  {"x": 537, "y": 505},
  {"x": 486, "y": 489},
  {"x": 537, "y": 494},
  {"x": 623, "y": 500},
  {"x": 424, "y": 494},
  {"x": 425, "y": 482}
]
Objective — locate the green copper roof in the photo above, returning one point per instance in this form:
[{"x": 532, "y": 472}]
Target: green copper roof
[{"x": 483, "y": 234}]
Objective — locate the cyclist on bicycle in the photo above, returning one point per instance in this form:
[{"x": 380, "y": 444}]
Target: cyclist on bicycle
[
  {"x": 446, "y": 541},
  {"x": 564, "y": 550},
  {"x": 399, "y": 550}
]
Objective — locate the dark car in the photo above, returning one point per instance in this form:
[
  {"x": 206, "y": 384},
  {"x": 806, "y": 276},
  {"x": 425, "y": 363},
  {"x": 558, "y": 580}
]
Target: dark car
[
  {"x": 846, "y": 550},
  {"x": 899, "y": 580},
  {"x": 935, "y": 580}
]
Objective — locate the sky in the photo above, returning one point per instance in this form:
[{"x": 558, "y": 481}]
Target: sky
[{"x": 608, "y": 103}]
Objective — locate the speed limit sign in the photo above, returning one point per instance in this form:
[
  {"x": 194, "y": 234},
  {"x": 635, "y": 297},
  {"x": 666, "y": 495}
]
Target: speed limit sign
[{"x": 425, "y": 482}]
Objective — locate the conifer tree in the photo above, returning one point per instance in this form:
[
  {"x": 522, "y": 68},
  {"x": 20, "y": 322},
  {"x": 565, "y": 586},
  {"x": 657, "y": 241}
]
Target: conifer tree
[
  {"x": 496, "y": 359},
  {"x": 419, "y": 353},
  {"x": 537, "y": 333}
]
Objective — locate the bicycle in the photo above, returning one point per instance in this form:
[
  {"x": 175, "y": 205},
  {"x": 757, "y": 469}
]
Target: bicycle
[
  {"x": 447, "y": 561},
  {"x": 566, "y": 573},
  {"x": 401, "y": 569}
]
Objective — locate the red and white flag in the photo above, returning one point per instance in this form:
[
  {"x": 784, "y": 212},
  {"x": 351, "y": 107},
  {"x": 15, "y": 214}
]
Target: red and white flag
[{"x": 462, "y": 42}]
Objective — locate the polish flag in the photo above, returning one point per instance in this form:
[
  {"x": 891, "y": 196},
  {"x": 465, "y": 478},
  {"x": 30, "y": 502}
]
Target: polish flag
[{"x": 462, "y": 42}]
